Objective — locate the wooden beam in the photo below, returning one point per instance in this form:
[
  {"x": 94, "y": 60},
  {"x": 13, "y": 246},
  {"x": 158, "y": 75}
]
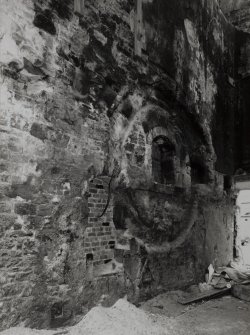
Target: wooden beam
[{"x": 213, "y": 293}]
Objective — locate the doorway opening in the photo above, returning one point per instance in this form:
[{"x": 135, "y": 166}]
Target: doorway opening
[
  {"x": 163, "y": 160},
  {"x": 242, "y": 241}
]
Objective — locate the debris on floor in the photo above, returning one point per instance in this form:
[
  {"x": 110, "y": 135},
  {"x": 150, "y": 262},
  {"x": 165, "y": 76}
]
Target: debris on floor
[
  {"x": 235, "y": 273},
  {"x": 212, "y": 293},
  {"x": 225, "y": 315},
  {"x": 123, "y": 318},
  {"x": 220, "y": 282},
  {"x": 235, "y": 276},
  {"x": 166, "y": 304}
]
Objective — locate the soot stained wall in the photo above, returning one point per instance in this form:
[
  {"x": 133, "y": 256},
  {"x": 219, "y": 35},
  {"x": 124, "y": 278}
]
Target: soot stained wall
[
  {"x": 238, "y": 13},
  {"x": 82, "y": 99}
]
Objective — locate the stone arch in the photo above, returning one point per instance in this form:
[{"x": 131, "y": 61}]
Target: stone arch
[{"x": 161, "y": 131}]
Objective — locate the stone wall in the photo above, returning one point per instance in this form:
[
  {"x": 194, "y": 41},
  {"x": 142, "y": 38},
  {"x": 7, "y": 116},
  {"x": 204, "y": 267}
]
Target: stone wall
[
  {"x": 238, "y": 13},
  {"x": 243, "y": 110},
  {"x": 82, "y": 99}
]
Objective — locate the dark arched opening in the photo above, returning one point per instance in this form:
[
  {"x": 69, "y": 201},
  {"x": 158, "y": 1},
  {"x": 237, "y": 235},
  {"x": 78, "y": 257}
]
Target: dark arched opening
[
  {"x": 199, "y": 173},
  {"x": 163, "y": 157},
  {"x": 227, "y": 183}
]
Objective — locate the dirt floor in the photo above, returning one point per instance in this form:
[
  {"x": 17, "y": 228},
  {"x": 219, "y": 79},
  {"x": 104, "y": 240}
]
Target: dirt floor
[
  {"x": 226, "y": 316},
  {"x": 223, "y": 316},
  {"x": 162, "y": 315}
]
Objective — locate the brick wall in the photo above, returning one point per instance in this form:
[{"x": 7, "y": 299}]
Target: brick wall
[{"x": 100, "y": 233}]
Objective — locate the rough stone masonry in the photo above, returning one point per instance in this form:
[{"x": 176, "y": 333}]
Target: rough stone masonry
[{"x": 118, "y": 142}]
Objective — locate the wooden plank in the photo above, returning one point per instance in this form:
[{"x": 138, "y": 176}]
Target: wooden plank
[{"x": 204, "y": 295}]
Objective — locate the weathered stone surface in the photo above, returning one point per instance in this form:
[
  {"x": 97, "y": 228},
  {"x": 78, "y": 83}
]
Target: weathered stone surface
[
  {"x": 238, "y": 13},
  {"x": 44, "y": 20},
  {"x": 79, "y": 116}
]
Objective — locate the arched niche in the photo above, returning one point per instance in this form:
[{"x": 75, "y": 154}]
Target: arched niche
[
  {"x": 163, "y": 160},
  {"x": 161, "y": 131},
  {"x": 199, "y": 171}
]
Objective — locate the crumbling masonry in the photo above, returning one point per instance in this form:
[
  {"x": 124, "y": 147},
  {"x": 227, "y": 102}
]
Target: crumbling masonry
[{"x": 119, "y": 122}]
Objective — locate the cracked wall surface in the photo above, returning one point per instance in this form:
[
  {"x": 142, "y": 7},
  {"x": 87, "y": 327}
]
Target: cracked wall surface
[
  {"x": 83, "y": 97},
  {"x": 238, "y": 13}
]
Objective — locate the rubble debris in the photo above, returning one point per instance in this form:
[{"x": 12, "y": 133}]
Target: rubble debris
[
  {"x": 204, "y": 287},
  {"x": 222, "y": 281},
  {"x": 236, "y": 273},
  {"x": 123, "y": 318}
]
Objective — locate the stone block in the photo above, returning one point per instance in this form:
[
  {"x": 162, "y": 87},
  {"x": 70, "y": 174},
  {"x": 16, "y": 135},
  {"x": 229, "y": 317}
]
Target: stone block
[
  {"x": 19, "y": 122},
  {"x": 4, "y": 166},
  {"x": 4, "y": 154},
  {"x": 4, "y": 121},
  {"x": 44, "y": 210},
  {"x": 7, "y": 220},
  {"x": 15, "y": 144},
  {"x": 39, "y": 131},
  {"x": 25, "y": 209},
  {"x": 241, "y": 291},
  {"x": 5, "y": 207}
]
